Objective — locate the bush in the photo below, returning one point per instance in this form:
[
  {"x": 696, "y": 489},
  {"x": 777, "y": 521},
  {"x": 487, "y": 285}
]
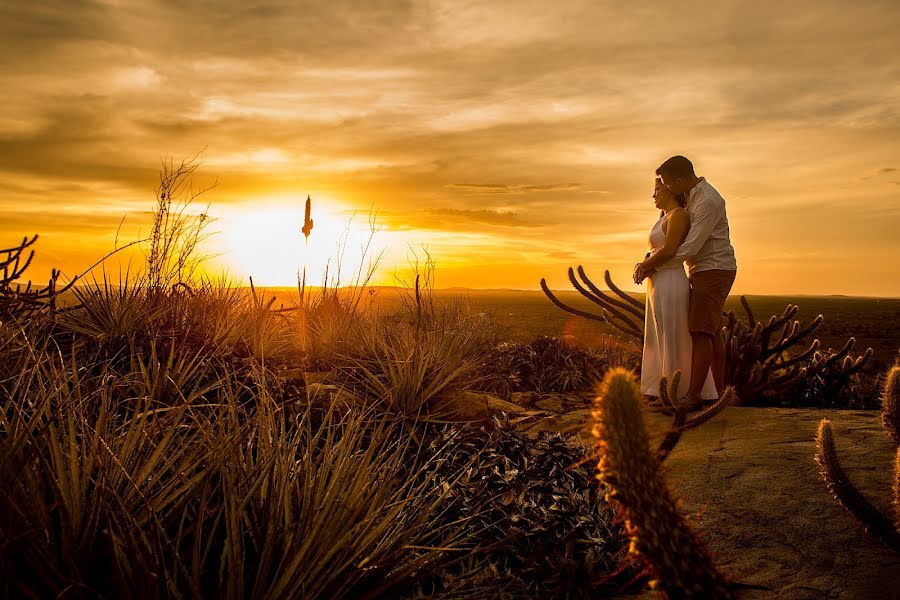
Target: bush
[
  {"x": 548, "y": 364},
  {"x": 542, "y": 526}
]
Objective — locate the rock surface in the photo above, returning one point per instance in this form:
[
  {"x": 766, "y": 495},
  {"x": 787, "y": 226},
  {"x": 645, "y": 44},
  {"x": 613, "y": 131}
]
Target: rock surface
[{"x": 750, "y": 487}]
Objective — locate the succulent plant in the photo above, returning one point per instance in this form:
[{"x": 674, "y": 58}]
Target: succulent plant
[
  {"x": 883, "y": 527},
  {"x": 660, "y": 536}
]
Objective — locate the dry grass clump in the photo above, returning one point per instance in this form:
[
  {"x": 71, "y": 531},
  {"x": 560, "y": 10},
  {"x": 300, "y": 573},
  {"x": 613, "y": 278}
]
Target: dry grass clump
[
  {"x": 108, "y": 490},
  {"x": 550, "y": 364}
]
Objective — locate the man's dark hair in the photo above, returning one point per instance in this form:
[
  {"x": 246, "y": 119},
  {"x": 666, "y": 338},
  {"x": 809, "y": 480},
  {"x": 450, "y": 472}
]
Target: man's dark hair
[{"x": 677, "y": 166}]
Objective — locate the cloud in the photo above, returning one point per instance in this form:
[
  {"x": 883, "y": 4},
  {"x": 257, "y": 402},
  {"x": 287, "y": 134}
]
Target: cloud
[{"x": 490, "y": 189}]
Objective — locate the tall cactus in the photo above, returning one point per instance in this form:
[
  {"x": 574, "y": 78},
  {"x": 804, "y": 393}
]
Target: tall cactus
[
  {"x": 660, "y": 537},
  {"x": 761, "y": 358},
  {"x": 882, "y": 527}
]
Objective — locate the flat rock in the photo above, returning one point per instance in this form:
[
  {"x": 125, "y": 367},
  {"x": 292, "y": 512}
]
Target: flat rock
[
  {"x": 474, "y": 406},
  {"x": 751, "y": 488}
]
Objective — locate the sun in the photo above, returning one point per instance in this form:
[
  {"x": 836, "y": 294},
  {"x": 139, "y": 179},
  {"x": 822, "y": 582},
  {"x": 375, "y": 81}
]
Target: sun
[{"x": 262, "y": 239}]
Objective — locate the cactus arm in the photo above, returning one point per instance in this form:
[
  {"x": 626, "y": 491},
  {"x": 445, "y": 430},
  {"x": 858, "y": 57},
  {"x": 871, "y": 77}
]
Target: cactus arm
[
  {"x": 637, "y": 312},
  {"x": 896, "y": 490},
  {"x": 618, "y": 292},
  {"x": 726, "y": 399},
  {"x": 840, "y": 486},
  {"x": 633, "y": 332},
  {"x": 567, "y": 308},
  {"x": 603, "y": 302},
  {"x": 750, "y": 318}
]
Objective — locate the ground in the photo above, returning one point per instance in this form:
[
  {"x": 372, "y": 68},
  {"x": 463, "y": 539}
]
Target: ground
[{"x": 750, "y": 486}]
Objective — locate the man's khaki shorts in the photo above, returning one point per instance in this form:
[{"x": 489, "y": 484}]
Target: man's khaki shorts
[{"x": 709, "y": 289}]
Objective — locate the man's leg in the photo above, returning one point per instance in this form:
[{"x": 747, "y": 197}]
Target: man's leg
[
  {"x": 718, "y": 363},
  {"x": 701, "y": 358}
]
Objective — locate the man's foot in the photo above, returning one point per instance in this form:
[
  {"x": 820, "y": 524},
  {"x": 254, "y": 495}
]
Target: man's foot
[{"x": 691, "y": 403}]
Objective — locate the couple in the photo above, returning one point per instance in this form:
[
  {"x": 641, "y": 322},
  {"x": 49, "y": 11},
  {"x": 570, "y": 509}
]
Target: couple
[{"x": 683, "y": 315}]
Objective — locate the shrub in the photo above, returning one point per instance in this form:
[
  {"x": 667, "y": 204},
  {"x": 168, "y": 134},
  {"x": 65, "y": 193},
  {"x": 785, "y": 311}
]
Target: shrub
[{"x": 539, "y": 520}]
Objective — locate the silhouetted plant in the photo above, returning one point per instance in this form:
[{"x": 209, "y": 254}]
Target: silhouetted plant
[
  {"x": 547, "y": 364},
  {"x": 18, "y": 301}
]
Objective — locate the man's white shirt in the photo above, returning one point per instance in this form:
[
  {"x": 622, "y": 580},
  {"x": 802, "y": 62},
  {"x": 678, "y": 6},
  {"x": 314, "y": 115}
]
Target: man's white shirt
[{"x": 707, "y": 245}]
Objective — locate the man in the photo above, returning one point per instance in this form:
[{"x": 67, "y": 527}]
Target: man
[{"x": 712, "y": 268}]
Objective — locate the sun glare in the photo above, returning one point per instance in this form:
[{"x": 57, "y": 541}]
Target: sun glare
[{"x": 263, "y": 239}]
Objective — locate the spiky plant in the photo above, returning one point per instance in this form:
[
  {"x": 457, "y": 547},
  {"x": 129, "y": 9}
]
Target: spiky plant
[
  {"x": 883, "y": 527},
  {"x": 890, "y": 414},
  {"x": 660, "y": 537}
]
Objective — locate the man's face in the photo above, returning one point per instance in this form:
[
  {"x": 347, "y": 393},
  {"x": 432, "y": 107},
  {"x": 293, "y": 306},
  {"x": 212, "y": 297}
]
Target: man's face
[{"x": 676, "y": 185}]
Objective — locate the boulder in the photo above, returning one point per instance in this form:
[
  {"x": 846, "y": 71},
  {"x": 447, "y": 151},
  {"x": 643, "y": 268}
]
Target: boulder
[{"x": 526, "y": 399}]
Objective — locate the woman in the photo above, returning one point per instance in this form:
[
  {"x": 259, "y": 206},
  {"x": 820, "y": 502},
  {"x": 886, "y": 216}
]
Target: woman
[{"x": 667, "y": 341}]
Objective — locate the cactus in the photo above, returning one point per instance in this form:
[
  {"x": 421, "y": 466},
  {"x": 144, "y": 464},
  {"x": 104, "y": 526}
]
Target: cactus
[
  {"x": 761, "y": 358},
  {"x": 16, "y": 301},
  {"x": 680, "y": 421},
  {"x": 660, "y": 537},
  {"x": 879, "y": 525},
  {"x": 890, "y": 402}
]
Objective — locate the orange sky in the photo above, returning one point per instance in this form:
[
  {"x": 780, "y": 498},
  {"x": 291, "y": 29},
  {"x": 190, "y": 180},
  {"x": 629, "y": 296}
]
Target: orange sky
[{"x": 512, "y": 139}]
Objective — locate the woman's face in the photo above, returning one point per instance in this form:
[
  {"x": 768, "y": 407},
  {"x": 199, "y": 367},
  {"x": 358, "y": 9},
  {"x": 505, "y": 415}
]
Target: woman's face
[{"x": 661, "y": 194}]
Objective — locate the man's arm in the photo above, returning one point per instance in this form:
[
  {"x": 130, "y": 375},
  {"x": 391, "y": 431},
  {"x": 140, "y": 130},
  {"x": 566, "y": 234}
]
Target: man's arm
[{"x": 706, "y": 214}]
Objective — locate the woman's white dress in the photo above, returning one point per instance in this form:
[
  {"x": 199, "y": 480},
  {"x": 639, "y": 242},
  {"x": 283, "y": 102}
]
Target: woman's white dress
[{"x": 667, "y": 340}]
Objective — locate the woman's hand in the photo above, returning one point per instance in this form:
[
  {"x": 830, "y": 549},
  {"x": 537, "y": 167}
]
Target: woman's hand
[{"x": 638, "y": 274}]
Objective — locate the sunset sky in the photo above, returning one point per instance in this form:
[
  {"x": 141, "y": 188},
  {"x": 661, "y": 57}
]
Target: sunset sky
[{"x": 511, "y": 139}]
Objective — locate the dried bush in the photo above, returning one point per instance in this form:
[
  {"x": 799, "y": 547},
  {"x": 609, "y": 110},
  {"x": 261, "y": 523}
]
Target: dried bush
[{"x": 546, "y": 364}]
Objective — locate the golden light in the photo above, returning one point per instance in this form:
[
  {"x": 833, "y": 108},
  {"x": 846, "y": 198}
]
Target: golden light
[{"x": 263, "y": 239}]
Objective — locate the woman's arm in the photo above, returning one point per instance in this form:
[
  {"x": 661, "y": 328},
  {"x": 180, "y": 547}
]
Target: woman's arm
[{"x": 676, "y": 230}]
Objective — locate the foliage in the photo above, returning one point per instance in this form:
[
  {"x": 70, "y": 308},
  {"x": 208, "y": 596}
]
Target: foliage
[
  {"x": 107, "y": 490},
  {"x": 548, "y": 364},
  {"x": 408, "y": 366}
]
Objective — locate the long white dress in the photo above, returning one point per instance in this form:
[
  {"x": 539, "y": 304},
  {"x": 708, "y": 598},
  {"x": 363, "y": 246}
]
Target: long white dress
[{"x": 667, "y": 340}]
